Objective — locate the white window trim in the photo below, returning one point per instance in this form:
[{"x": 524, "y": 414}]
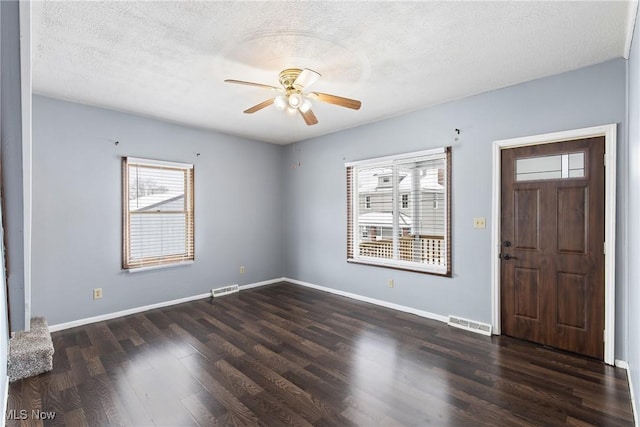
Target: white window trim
[
  {"x": 392, "y": 159},
  {"x": 610, "y": 134},
  {"x": 355, "y": 235},
  {"x": 158, "y": 267},
  {"x": 161, "y": 163}
]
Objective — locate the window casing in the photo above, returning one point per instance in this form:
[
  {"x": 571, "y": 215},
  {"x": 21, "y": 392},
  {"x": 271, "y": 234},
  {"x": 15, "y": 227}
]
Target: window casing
[
  {"x": 406, "y": 200},
  {"x": 158, "y": 214}
]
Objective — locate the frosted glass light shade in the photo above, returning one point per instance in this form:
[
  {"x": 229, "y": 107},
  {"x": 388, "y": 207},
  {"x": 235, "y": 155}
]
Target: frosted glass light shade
[
  {"x": 295, "y": 100},
  {"x": 305, "y": 106},
  {"x": 280, "y": 102}
]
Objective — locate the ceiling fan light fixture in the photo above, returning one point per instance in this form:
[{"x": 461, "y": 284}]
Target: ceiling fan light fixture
[
  {"x": 280, "y": 102},
  {"x": 295, "y": 100},
  {"x": 294, "y": 97}
]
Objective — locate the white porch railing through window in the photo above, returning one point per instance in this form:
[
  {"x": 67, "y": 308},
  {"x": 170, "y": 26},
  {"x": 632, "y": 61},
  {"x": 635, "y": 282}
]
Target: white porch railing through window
[{"x": 429, "y": 250}]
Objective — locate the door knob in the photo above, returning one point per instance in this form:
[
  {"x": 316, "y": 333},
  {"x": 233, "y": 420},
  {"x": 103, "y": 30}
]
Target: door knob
[{"x": 507, "y": 257}]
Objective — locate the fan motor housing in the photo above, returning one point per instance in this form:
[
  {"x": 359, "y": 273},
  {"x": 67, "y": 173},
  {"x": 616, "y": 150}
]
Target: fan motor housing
[{"x": 288, "y": 76}]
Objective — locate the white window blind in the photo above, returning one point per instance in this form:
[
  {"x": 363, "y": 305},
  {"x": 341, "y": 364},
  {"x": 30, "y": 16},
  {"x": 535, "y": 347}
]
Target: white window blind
[
  {"x": 398, "y": 212},
  {"x": 158, "y": 223}
]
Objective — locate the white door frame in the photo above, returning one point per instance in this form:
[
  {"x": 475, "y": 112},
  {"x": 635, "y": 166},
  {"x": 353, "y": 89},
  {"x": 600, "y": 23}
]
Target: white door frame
[
  {"x": 609, "y": 133},
  {"x": 25, "y": 99}
]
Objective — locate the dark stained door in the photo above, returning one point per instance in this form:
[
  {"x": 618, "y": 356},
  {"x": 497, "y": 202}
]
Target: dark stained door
[{"x": 552, "y": 237}]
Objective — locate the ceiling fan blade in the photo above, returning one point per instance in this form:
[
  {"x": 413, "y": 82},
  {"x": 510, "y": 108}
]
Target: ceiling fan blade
[
  {"x": 260, "y": 106},
  {"x": 309, "y": 117},
  {"x": 354, "y": 104},
  {"x": 306, "y": 78},
  {"x": 242, "y": 82}
]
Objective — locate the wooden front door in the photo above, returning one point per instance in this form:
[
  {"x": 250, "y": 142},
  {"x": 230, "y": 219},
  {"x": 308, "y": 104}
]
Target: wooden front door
[{"x": 552, "y": 237}]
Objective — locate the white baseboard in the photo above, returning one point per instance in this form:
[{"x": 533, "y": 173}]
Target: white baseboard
[
  {"x": 109, "y": 316},
  {"x": 263, "y": 283},
  {"x": 621, "y": 364},
  {"x": 381, "y": 303},
  {"x": 624, "y": 365}
]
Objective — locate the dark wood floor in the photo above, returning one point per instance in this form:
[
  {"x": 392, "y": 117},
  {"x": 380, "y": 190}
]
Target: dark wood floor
[{"x": 288, "y": 355}]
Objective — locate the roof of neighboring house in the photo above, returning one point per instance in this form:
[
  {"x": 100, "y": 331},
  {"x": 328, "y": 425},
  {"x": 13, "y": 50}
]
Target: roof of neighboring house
[
  {"x": 368, "y": 181},
  {"x": 383, "y": 219},
  {"x": 153, "y": 201}
]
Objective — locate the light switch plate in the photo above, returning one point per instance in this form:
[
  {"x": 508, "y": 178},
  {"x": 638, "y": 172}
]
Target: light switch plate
[{"x": 479, "y": 222}]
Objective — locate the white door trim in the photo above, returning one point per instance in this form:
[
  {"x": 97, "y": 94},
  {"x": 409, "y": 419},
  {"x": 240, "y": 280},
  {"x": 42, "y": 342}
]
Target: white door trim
[
  {"x": 25, "y": 99},
  {"x": 609, "y": 132}
]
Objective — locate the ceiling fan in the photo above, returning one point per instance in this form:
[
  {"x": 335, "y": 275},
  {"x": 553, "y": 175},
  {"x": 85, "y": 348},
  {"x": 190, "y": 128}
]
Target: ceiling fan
[{"x": 294, "y": 81}]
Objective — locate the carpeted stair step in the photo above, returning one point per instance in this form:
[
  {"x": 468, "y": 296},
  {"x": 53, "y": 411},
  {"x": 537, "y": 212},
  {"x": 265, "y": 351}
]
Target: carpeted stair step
[{"x": 30, "y": 352}]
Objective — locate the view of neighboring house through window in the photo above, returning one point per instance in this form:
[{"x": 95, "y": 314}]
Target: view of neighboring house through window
[
  {"x": 158, "y": 221},
  {"x": 398, "y": 211}
]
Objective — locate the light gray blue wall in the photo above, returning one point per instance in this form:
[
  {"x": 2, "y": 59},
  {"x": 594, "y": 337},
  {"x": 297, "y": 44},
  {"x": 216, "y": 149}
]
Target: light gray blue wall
[
  {"x": 633, "y": 255},
  {"x": 315, "y": 214},
  {"x": 11, "y": 135},
  {"x": 77, "y": 210}
]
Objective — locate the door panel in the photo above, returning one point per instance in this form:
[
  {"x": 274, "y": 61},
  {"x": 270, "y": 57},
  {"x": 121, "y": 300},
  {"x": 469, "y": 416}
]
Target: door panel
[
  {"x": 526, "y": 297},
  {"x": 573, "y": 231},
  {"x": 572, "y": 298},
  {"x": 527, "y": 218},
  {"x": 552, "y": 231}
]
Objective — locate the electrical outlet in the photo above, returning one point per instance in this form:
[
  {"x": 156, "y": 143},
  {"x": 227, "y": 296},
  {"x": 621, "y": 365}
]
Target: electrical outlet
[
  {"x": 242, "y": 269},
  {"x": 390, "y": 283},
  {"x": 97, "y": 293},
  {"x": 479, "y": 222}
]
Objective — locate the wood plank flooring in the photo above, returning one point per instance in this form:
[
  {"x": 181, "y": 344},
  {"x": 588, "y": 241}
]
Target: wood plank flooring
[{"x": 287, "y": 355}]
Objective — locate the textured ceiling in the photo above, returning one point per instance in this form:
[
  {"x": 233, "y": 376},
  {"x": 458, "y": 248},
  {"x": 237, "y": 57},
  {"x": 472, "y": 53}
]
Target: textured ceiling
[{"x": 168, "y": 60}]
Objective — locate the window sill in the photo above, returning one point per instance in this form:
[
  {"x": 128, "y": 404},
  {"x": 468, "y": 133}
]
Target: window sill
[
  {"x": 397, "y": 266},
  {"x": 157, "y": 267}
]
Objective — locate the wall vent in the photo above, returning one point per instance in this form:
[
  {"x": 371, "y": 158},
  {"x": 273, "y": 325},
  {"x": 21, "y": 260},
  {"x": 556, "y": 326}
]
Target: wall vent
[
  {"x": 470, "y": 325},
  {"x": 215, "y": 293}
]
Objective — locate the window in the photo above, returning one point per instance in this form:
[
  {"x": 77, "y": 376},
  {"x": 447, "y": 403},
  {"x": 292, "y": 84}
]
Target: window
[
  {"x": 559, "y": 166},
  {"x": 411, "y": 236},
  {"x": 157, "y": 209},
  {"x": 405, "y": 201}
]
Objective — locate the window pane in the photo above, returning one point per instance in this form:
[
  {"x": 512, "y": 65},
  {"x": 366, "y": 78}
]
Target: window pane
[
  {"x": 576, "y": 165},
  {"x": 156, "y": 189},
  {"x": 561, "y": 166},
  {"x": 422, "y": 240},
  {"x": 157, "y": 235},
  {"x": 375, "y": 222}
]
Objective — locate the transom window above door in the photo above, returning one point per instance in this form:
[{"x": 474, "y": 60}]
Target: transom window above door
[{"x": 559, "y": 166}]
